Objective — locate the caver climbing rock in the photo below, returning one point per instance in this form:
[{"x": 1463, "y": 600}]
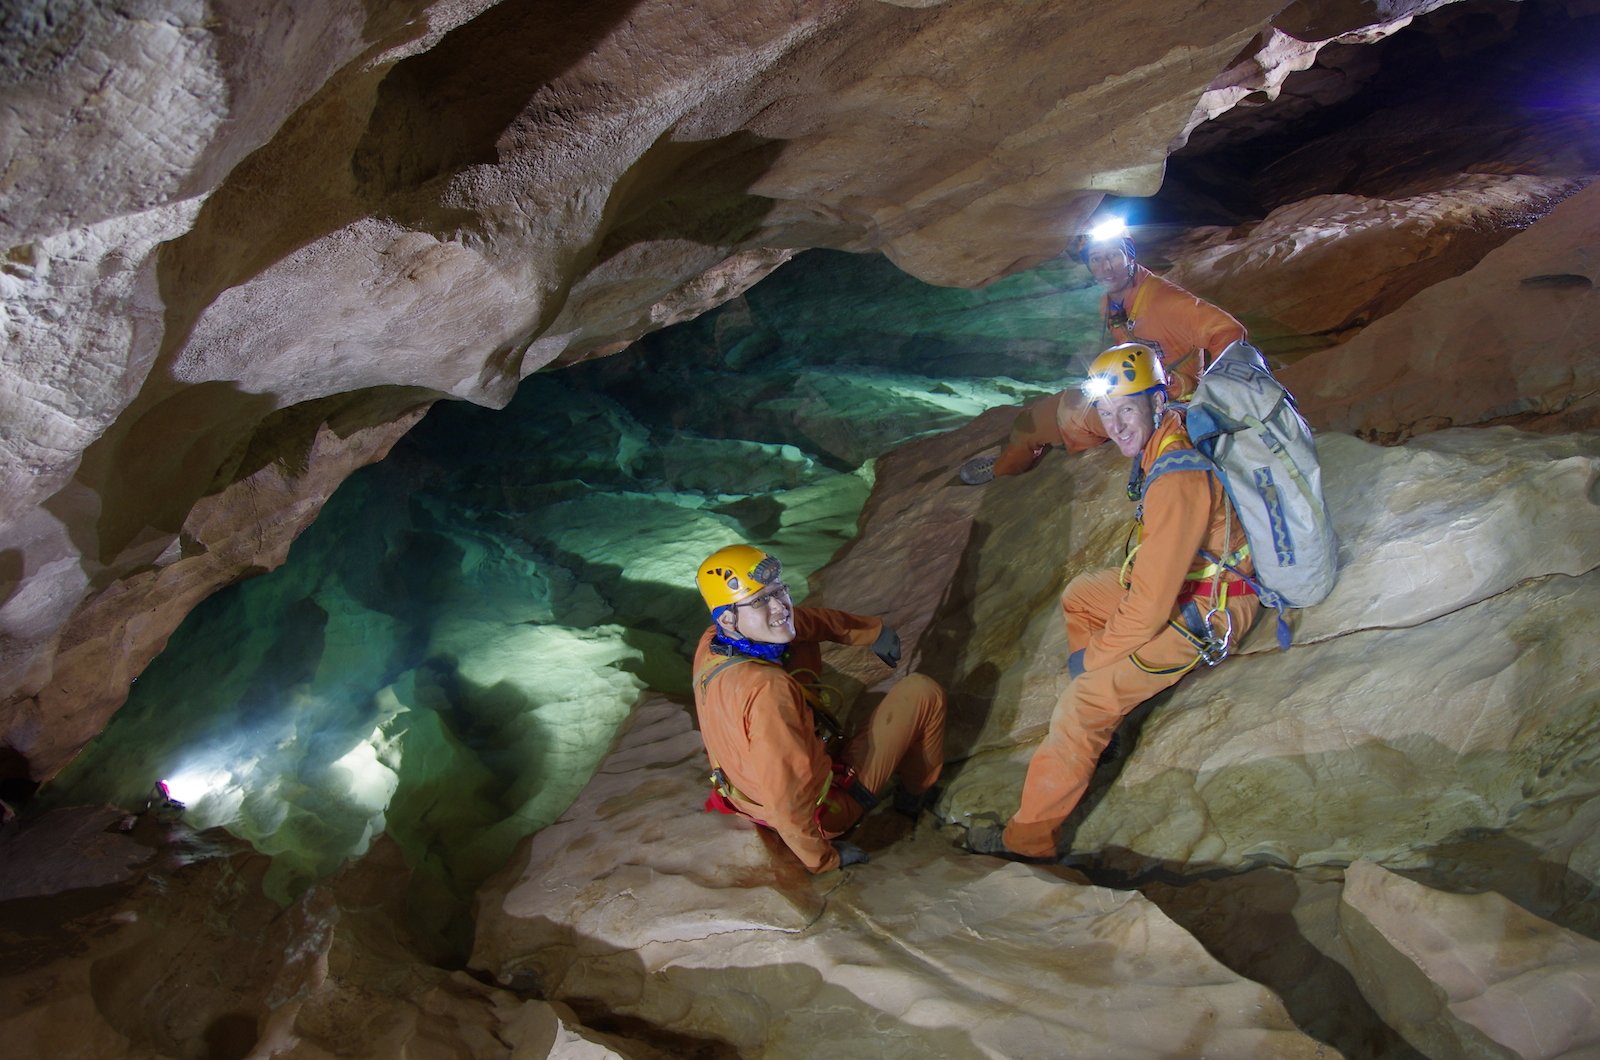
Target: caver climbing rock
[
  {"x": 760, "y": 700},
  {"x": 1137, "y": 306},
  {"x": 1135, "y": 631}
]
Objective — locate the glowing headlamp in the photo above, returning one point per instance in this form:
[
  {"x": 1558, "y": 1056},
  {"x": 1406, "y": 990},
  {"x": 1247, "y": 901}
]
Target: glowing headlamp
[
  {"x": 1109, "y": 229},
  {"x": 1097, "y": 386}
]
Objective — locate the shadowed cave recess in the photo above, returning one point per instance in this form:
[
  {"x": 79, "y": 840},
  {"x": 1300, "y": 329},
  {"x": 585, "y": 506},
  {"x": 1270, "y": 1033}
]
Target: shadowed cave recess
[{"x": 451, "y": 648}]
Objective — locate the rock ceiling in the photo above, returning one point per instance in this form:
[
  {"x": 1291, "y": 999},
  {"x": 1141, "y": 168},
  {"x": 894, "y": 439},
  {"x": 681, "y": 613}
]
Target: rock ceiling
[
  {"x": 247, "y": 246},
  {"x": 250, "y": 244}
]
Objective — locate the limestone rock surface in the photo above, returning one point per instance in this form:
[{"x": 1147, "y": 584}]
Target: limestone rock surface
[
  {"x": 691, "y": 924},
  {"x": 1469, "y": 974},
  {"x": 1513, "y": 339},
  {"x": 1315, "y": 272},
  {"x": 224, "y": 223},
  {"x": 1448, "y": 658},
  {"x": 1434, "y": 729},
  {"x": 129, "y": 938}
]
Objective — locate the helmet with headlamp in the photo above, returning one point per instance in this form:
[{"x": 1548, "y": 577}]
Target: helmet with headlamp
[
  {"x": 735, "y": 573},
  {"x": 1125, "y": 369},
  {"x": 1112, "y": 232}
]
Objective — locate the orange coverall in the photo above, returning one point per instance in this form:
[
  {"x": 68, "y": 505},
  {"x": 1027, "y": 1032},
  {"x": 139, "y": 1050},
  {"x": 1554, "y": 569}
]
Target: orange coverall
[
  {"x": 1184, "y": 511},
  {"x": 1182, "y": 329},
  {"x": 758, "y": 727}
]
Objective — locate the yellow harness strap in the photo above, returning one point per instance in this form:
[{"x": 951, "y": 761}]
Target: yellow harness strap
[{"x": 1136, "y": 534}]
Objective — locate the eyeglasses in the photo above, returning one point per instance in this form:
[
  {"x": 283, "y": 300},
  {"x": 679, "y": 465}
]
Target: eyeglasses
[{"x": 776, "y": 591}]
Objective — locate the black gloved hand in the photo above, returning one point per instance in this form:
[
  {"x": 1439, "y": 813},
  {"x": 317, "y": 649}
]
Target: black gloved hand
[
  {"x": 850, "y": 854},
  {"x": 1075, "y": 663},
  {"x": 887, "y": 647}
]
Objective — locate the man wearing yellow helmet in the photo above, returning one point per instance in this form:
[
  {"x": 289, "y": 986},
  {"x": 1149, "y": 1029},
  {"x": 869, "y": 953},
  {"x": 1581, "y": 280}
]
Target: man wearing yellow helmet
[
  {"x": 1135, "y": 631},
  {"x": 1136, "y": 306},
  {"x": 759, "y": 698}
]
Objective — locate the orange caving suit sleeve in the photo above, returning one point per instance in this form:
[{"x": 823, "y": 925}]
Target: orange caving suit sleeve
[
  {"x": 759, "y": 729},
  {"x": 1164, "y": 315},
  {"x": 838, "y": 627},
  {"x": 1179, "y": 324}
]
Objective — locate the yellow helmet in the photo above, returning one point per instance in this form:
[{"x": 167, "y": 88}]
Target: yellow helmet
[
  {"x": 735, "y": 573},
  {"x": 1128, "y": 368}
]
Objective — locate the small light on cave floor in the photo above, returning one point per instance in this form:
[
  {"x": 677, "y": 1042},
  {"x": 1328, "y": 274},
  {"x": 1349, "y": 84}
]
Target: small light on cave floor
[{"x": 191, "y": 785}]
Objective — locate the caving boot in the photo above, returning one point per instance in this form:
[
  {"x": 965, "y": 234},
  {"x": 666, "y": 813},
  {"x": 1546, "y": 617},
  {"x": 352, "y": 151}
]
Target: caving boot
[{"x": 978, "y": 470}]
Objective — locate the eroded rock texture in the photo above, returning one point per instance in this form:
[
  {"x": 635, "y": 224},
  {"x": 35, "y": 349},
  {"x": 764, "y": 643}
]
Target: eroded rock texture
[
  {"x": 349, "y": 212},
  {"x": 247, "y": 245},
  {"x": 233, "y": 229},
  {"x": 130, "y": 938},
  {"x": 689, "y": 923},
  {"x": 1469, "y": 975},
  {"x": 1436, "y": 728}
]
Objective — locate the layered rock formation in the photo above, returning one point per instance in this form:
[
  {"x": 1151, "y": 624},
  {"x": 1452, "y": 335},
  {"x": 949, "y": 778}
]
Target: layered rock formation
[
  {"x": 248, "y": 248},
  {"x": 231, "y": 228},
  {"x": 1433, "y": 727}
]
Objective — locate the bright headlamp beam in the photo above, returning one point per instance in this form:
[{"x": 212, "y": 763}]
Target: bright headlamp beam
[
  {"x": 1109, "y": 229},
  {"x": 1096, "y": 387}
]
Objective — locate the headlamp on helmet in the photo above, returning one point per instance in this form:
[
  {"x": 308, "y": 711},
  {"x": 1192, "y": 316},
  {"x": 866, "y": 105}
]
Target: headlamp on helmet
[
  {"x": 735, "y": 573},
  {"x": 1110, "y": 232},
  {"x": 1125, "y": 369}
]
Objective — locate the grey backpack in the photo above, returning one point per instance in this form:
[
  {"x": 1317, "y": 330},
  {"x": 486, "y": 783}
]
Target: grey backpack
[{"x": 1247, "y": 431}]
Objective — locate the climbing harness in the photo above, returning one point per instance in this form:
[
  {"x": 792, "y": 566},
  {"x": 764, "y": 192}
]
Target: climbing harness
[{"x": 1200, "y": 628}]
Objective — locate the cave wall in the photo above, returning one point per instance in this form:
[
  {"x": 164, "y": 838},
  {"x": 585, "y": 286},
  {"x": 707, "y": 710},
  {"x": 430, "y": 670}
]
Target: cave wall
[
  {"x": 240, "y": 234},
  {"x": 248, "y": 245}
]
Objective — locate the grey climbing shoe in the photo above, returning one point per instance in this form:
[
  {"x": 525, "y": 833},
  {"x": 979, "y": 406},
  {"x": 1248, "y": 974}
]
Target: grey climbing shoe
[
  {"x": 985, "y": 835},
  {"x": 978, "y": 470}
]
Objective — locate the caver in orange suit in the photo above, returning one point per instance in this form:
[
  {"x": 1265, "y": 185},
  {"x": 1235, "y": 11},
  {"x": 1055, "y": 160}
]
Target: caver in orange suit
[
  {"x": 1184, "y": 330},
  {"x": 1119, "y": 629},
  {"x": 759, "y": 729}
]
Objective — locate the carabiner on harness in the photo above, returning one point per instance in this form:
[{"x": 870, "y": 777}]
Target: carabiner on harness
[{"x": 1214, "y": 649}]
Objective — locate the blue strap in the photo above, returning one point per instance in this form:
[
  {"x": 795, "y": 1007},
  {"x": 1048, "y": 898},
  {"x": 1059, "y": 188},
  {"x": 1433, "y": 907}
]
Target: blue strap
[
  {"x": 764, "y": 652},
  {"x": 1265, "y": 595},
  {"x": 1177, "y": 460}
]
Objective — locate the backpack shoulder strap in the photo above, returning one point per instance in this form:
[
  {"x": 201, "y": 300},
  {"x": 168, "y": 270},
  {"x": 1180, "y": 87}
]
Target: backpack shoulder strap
[{"x": 1182, "y": 460}]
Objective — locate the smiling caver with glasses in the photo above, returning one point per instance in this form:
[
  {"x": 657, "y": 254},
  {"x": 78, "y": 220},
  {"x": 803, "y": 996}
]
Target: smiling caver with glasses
[{"x": 761, "y": 704}]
